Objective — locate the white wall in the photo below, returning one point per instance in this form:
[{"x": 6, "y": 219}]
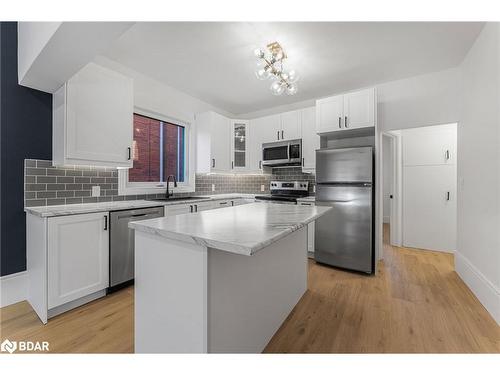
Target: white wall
[
  {"x": 478, "y": 256},
  {"x": 387, "y": 177}
]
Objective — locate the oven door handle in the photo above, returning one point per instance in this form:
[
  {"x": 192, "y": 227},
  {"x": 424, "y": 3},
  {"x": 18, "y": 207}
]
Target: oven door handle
[{"x": 289, "y": 151}]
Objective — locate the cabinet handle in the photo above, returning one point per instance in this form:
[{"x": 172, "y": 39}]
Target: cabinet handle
[
  {"x": 213, "y": 163},
  {"x": 232, "y": 203},
  {"x": 302, "y": 161},
  {"x": 340, "y": 122},
  {"x": 191, "y": 208},
  {"x": 129, "y": 153},
  {"x": 223, "y": 203},
  {"x": 232, "y": 165},
  {"x": 306, "y": 204},
  {"x": 447, "y": 154},
  {"x": 105, "y": 222},
  {"x": 260, "y": 164},
  {"x": 447, "y": 195},
  {"x": 278, "y": 133},
  {"x": 282, "y": 135},
  {"x": 345, "y": 122}
]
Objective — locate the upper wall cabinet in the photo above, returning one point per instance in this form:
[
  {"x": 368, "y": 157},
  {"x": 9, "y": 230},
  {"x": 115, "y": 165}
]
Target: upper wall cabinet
[
  {"x": 290, "y": 125},
  {"x": 213, "y": 143},
  {"x": 239, "y": 145},
  {"x": 93, "y": 119},
  {"x": 310, "y": 140},
  {"x": 262, "y": 130},
  {"x": 352, "y": 110}
]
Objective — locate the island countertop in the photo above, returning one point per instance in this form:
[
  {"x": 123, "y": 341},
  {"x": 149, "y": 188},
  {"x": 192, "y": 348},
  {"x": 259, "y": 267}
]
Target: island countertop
[{"x": 243, "y": 229}]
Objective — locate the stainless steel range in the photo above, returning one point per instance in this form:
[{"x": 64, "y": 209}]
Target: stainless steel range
[{"x": 285, "y": 192}]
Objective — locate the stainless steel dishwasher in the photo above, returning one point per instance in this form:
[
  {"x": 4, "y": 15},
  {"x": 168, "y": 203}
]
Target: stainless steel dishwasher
[{"x": 121, "y": 244}]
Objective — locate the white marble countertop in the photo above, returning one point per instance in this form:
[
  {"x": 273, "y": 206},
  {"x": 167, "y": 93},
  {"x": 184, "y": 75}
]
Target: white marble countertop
[
  {"x": 243, "y": 229},
  {"x": 74, "y": 209}
]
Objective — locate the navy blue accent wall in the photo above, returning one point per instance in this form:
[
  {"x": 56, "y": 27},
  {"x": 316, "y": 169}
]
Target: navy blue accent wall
[{"x": 25, "y": 132}]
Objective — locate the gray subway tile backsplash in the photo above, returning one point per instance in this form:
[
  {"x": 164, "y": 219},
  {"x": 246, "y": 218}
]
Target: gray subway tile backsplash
[{"x": 49, "y": 185}]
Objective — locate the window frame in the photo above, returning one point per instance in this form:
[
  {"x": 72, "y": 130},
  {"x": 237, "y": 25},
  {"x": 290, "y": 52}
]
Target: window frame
[{"x": 125, "y": 187}]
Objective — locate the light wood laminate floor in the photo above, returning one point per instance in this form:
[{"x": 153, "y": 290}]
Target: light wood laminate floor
[{"x": 415, "y": 304}]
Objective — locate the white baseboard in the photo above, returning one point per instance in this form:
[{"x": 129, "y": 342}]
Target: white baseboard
[
  {"x": 485, "y": 291},
  {"x": 13, "y": 288}
]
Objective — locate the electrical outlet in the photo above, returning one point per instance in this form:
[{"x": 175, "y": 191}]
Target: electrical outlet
[
  {"x": 213, "y": 187},
  {"x": 262, "y": 188},
  {"x": 96, "y": 191}
]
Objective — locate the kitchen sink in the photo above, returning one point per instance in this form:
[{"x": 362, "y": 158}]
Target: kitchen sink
[{"x": 176, "y": 199}]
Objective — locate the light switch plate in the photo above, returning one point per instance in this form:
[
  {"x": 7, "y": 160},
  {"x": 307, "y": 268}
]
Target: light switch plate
[
  {"x": 262, "y": 188},
  {"x": 96, "y": 191},
  {"x": 213, "y": 187}
]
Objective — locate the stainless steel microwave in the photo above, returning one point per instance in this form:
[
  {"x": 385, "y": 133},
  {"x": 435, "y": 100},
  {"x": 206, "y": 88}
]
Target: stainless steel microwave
[{"x": 282, "y": 153}]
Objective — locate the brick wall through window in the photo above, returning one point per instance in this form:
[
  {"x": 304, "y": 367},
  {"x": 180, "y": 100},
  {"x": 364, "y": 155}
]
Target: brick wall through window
[{"x": 158, "y": 150}]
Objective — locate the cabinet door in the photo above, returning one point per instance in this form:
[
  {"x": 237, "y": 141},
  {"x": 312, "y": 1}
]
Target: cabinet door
[
  {"x": 310, "y": 230},
  {"x": 262, "y": 130},
  {"x": 359, "y": 109},
  {"x": 239, "y": 145},
  {"x": 78, "y": 257},
  {"x": 99, "y": 117},
  {"x": 203, "y": 206},
  {"x": 430, "y": 207},
  {"x": 220, "y": 143},
  {"x": 310, "y": 139},
  {"x": 290, "y": 125},
  {"x": 178, "y": 209},
  {"x": 430, "y": 145},
  {"x": 330, "y": 114}
]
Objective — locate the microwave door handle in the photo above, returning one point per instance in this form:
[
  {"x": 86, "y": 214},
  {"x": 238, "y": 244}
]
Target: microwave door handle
[{"x": 289, "y": 150}]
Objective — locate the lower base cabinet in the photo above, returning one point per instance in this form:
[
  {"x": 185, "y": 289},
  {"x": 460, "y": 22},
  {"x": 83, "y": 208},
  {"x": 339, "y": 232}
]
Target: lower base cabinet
[
  {"x": 310, "y": 230},
  {"x": 78, "y": 257}
]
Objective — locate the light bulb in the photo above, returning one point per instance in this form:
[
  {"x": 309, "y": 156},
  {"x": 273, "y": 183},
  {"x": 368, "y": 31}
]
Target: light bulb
[
  {"x": 292, "y": 89},
  {"x": 259, "y": 53},
  {"x": 277, "y": 88},
  {"x": 262, "y": 73},
  {"x": 278, "y": 68},
  {"x": 293, "y": 76},
  {"x": 284, "y": 75}
]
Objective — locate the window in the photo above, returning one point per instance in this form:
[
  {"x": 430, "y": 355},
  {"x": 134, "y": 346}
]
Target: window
[{"x": 158, "y": 150}]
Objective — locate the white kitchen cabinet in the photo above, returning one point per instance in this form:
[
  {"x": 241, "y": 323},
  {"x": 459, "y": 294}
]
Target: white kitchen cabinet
[
  {"x": 93, "y": 119},
  {"x": 239, "y": 145},
  {"x": 262, "y": 130},
  {"x": 352, "y": 110},
  {"x": 329, "y": 114},
  {"x": 78, "y": 257},
  {"x": 178, "y": 209},
  {"x": 310, "y": 139},
  {"x": 430, "y": 145},
  {"x": 290, "y": 125},
  {"x": 203, "y": 206},
  {"x": 310, "y": 230},
  {"x": 213, "y": 140},
  {"x": 359, "y": 109}
]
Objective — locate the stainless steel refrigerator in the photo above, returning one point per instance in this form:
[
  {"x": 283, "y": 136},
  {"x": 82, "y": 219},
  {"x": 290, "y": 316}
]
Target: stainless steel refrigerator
[{"x": 344, "y": 181}]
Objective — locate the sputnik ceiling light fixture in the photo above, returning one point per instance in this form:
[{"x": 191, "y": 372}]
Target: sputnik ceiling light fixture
[{"x": 270, "y": 66}]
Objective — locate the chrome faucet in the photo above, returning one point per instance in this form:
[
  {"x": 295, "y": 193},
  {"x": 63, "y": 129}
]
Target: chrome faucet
[{"x": 167, "y": 193}]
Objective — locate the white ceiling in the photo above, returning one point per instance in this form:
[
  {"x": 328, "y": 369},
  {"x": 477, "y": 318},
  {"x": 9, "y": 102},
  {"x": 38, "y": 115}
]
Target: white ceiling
[{"x": 214, "y": 61}]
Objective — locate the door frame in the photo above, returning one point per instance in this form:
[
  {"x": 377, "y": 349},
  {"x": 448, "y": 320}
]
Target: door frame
[{"x": 396, "y": 203}]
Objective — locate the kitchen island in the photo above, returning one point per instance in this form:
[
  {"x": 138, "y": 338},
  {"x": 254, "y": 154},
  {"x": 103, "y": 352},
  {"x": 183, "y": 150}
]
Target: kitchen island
[{"x": 219, "y": 281}]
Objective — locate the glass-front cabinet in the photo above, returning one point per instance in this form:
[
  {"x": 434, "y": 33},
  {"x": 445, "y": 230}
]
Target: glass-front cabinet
[{"x": 239, "y": 145}]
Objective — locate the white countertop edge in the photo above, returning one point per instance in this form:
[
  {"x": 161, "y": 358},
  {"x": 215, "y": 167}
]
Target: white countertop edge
[{"x": 83, "y": 208}]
